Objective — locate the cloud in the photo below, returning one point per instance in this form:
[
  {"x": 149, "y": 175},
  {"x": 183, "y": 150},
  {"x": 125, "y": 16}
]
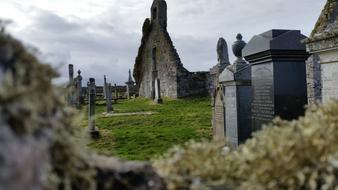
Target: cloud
[{"x": 102, "y": 37}]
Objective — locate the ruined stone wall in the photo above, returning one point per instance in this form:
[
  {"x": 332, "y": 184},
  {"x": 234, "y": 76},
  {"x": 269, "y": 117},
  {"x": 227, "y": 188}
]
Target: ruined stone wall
[
  {"x": 176, "y": 81},
  {"x": 167, "y": 64},
  {"x": 157, "y": 58},
  {"x": 192, "y": 84}
]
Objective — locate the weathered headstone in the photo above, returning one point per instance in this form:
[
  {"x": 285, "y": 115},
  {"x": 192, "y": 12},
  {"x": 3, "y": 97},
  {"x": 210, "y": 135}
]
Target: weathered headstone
[
  {"x": 116, "y": 93},
  {"x": 158, "y": 98},
  {"x": 324, "y": 43},
  {"x": 94, "y": 133},
  {"x": 109, "y": 98},
  {"x": 218, "y": 114},
  {"x": 71, "y": 93},
  {"x": 78, "y": 89},
  {"x": 223, "y": 62},
  {"x": 278, "y": 75},
  {"x": 105, "y": 86},
  {"x": 236, "y": 81},
  {"x": 71, "y": 73}
]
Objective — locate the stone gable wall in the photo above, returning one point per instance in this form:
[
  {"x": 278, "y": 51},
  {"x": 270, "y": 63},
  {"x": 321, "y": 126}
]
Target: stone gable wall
[{"x": 176, "y": 81}]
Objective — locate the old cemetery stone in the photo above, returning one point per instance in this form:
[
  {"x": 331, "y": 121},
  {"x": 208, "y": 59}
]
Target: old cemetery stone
[
  {"x": 105, "y": 86},
  {"x": 218, "y": 113},
  {"x": 158, "y": 98},
  {"x": 78, "y": 89},
  {"x": 94, "y": 133},
  {"x": 323, "y": 43},
  {"x": 109, "y": 98},
  {"x": 236, "y": 81},
  {"x": 71, "y": 92},
  {"x": 130, "y": 83},
  {"x": 279, "y": 85},
  {"x": 116, "y": 93},
  {"x": 223, "y": 62}
]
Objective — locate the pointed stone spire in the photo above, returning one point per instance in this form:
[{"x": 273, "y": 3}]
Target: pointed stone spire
[{"x": 130, "y": 79}]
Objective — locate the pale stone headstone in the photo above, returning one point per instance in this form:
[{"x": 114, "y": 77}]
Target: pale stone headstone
[
  {"x": 94, "y": 133},
  {"x": 218, "y": 115},
  {"x": 236, "y": 81},
  {"x": 109, "y": 98},
  {"x": 278, "y": 75}
]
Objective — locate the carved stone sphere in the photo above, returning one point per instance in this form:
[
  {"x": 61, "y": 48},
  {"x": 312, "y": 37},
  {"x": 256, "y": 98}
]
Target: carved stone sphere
[{"x": 238, "y": 46}]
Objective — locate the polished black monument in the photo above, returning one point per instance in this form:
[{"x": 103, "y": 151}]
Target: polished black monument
[{"x": 279, "y": 87}]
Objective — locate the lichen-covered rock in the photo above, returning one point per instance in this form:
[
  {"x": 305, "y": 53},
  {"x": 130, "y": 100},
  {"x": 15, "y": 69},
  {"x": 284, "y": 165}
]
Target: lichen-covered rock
[
  {"x": 38, "y": 147},
  {"x": 299, "y": 154},
  {"x": 112, "y": 174}
]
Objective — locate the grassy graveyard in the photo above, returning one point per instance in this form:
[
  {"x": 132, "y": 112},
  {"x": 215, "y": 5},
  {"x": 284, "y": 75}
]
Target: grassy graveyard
[{"x": 141, "y": 137}]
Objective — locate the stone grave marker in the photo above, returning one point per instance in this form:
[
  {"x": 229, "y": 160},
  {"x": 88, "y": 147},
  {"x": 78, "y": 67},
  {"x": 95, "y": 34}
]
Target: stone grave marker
[
  {"x": 94, "y": 133},
  {"x": 236, "y": 80},
  {"x": 109, "y": 98},
  {"x": 218, "y": 119},
  {"x": 279, "y": 85},
  {"x": 78, "y": 89}
]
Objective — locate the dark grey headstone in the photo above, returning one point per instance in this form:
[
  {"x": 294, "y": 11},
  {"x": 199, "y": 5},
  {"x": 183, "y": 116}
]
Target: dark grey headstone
[
  {"x": 91, "y": 110},
  {"x": 278, "y": 75}
]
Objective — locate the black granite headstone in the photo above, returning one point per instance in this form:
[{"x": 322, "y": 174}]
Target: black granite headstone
[{"x": 279, "y": 87}]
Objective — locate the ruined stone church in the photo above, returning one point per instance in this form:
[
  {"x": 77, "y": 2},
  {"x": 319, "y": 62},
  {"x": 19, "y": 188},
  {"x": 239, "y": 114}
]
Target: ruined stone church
[{"x": 158, "y": 59}]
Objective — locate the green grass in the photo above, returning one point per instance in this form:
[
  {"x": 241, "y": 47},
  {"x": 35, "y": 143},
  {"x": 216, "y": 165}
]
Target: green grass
[{"x": 144, "y": 136}]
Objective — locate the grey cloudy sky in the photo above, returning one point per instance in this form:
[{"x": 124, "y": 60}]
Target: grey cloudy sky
[{"x": 101, "y": 37}]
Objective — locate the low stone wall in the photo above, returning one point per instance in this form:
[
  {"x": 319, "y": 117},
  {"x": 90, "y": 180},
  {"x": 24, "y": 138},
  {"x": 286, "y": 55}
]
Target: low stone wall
[{"x": 192, "y": 83}]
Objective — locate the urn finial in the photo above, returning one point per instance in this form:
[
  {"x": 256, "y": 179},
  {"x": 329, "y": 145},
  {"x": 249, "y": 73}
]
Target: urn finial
[{"x": 238, "y": 46}]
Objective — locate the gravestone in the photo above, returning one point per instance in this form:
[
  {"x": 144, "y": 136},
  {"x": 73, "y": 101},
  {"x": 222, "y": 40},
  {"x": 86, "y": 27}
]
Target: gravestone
[
  {"x": 218, "y": 115},
  {"x": 279, "y": 85},
  {"x": 94, "y": 133},
  {"x": 223, "y": 62},
  {"x": 323, "y": 43},
  {"x": 236, "y": 81},
  {"x": 71, "y": 93},
  {"x": 109, "y": 98},
  {"x": 116, "y": 93},
  {"x": 105, "y": 86},
  {"x": 78, "y": 89},
  {"x": 158, "y": 98}
]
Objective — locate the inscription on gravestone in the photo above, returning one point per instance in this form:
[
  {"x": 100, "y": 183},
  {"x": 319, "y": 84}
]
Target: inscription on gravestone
[
  {"x": 219, "y": 115},
  {"x": 278, "y": 75},
  {"x": 231, "y": 110},
  {"x": 263, "y": 95}
]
